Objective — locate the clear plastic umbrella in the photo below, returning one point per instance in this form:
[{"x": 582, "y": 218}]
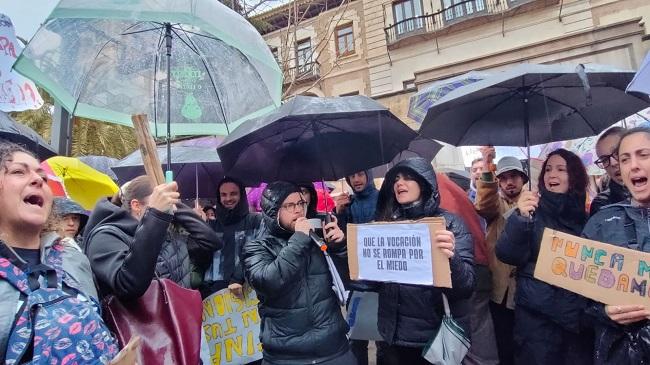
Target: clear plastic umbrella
[{"x": 194, "y": 64}]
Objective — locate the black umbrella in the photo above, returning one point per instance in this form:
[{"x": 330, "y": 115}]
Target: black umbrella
[
  {"x": 15, "y": 132},
  {"x": 419, "y": 147},
  {"x": 533, "y": 104},
  {"x": 196, "y": 170},
  {"x": 310, "y": 138}
]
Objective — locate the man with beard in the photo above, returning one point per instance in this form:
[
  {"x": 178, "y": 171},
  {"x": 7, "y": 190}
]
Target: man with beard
[
  {"x": 616, "y": 192},
  {"x": 497, "y": 195},
  {"x": 236, "y": 225}
]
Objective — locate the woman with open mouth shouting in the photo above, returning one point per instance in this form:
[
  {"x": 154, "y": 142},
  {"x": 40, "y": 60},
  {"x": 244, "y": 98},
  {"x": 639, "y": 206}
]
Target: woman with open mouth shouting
[
  {"x": 49, "y": 312},
  {"x": 547, "y": 326},
  {"x": 623, "y": 331},
  {"x": 410, "y": 315}
]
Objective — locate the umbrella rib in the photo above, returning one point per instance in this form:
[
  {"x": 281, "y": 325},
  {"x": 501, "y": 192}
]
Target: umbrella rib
[
  {"x": 487, "y": 112},
  {"x": 192, "y": 48},
  {"x": 575, "y": 110},
  {"x": 207, "y": 69},
  {"x": 261, "y": 138},
  {"x": 87, "y": 75},
  {"x": 141, "y": 31}
]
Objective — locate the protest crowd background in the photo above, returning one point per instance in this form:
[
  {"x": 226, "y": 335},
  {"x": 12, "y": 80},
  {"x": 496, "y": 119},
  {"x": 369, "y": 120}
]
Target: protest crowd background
[{"x": 316, "y": 230}]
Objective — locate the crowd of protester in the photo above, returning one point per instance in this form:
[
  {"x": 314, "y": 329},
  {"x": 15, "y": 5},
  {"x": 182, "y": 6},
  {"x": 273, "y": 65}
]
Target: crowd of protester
[{"x": 58, "y": 261}]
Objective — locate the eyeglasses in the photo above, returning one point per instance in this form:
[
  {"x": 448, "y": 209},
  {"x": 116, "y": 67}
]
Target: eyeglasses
[
  {"x": 604, "y": 161},
  {"x": 292, "y": 206}
]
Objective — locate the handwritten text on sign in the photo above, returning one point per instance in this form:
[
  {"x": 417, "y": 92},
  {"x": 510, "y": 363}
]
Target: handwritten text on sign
[
  {"x": 232, "y": 328},
  {"x": 603, "y": 272},
  {"x": 396, "y": 252}
]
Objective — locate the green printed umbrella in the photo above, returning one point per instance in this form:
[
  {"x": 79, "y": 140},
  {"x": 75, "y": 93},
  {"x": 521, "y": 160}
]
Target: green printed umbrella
[{"x": 196, "y": 64}]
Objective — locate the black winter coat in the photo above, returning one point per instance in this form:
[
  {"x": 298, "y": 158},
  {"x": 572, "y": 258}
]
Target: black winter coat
[
  {"x": 301, "y": 317},
  {"x": 615, "y": 193},
  {"x": 124, "y": 264},
  {"x": 410, "y": 315},
  {"x": 519, "y": 245},
  {"x": 625, "y": 226},
  {"x": 235, "y": 227}
]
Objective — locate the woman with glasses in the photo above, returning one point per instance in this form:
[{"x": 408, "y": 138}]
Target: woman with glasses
[
  {"x": 605, "y": 149},
  {"x": 623, "y": 331},
  {"x": 301, "y": 318}
]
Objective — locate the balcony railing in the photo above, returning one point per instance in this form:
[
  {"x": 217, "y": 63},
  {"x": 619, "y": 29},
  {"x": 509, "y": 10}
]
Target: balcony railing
[
  {"x": 431, "y": 23},
  {"x": 304, "y": 72}
]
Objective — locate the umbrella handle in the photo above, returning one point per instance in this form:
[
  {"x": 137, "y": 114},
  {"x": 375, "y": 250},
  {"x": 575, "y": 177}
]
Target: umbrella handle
[{"x": 169, "y": 176}]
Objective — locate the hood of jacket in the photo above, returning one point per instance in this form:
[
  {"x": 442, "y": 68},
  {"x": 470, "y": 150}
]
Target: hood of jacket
[
  {"x": 106, "y": 212},
  {"x": 272, "y": 198},
  {"x": 421, "y": 170},
  {"x": 370, "y": 185},
  {"x": 313, "y": 199},
  {"x": 65, "y": 206},
  {"x": 231, "y": 216}
]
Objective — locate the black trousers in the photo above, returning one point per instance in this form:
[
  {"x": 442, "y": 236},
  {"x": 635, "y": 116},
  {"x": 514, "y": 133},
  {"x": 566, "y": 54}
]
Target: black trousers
[
  {"x": 503, "y": 320},
  {"x": 400, "y": 355}
]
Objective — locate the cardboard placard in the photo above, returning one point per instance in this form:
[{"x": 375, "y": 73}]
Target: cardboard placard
[
  {"x": 231, "y": 328},
  {"x": 400, "y": 252},
  {"x": 606, "y": 273}
]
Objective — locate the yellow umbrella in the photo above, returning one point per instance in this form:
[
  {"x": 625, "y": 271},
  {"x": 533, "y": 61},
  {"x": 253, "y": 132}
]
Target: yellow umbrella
[{"x": 83, "y": 184}]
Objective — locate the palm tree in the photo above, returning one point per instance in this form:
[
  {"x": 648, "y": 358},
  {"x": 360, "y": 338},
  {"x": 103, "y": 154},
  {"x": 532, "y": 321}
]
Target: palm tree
[{"x": 89, "y": 137}]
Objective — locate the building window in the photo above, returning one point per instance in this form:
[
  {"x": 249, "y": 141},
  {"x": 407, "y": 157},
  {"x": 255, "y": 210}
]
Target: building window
[
  {"x": 408, "y": 16},
  {"x": 344, "y": 40},
  {"x": 350, "y": 94},
  {"x": 304, "y": 55},
  {"x": 461, "y": 8},
  {"x": 408, "y": 84},
  {"x": 276, "y": 55}
]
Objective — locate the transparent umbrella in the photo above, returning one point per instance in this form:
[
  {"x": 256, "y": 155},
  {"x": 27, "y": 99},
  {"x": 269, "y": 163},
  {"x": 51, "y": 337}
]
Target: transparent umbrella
[{"x": 195, "y": 64}]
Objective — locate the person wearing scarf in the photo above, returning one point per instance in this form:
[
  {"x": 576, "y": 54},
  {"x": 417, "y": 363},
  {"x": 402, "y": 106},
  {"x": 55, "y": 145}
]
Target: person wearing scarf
[{"x": 547, "y": 318}]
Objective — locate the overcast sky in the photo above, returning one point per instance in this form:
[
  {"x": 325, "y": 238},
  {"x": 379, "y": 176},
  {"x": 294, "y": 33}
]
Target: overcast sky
[{"x": 27, "y": 15}]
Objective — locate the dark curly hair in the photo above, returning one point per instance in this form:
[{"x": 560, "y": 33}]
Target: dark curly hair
[
  {"x": 7, "y": 150},
  {"x": 578, "y": 178}
]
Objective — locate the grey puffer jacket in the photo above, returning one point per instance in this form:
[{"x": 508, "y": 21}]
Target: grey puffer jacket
[
  {"x": 410, "y": 315},
  {"x": 301, "y": 318},
  {"x": 79, "y": 276}
]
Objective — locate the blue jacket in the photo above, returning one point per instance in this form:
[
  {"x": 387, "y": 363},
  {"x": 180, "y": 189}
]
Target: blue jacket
[{"x": 363, "y": 205}]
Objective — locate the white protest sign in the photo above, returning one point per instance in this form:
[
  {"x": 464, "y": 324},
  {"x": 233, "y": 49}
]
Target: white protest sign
[
  {"x": 231, "y": 328},
  {"x": 396, "y": 253},
  {"x": 399, "y": 252},
  {"x": 17, "y": 93}
]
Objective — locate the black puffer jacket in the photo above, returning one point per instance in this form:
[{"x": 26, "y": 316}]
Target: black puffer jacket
[
  {"x": 615, "y": 193},
  {"x": 410, "y": 315},
  {"x": 627, "y": 226},
  {"x": 125, "y": 263},
  {"x": 519, "y": 245},
  {"x": 301, "y": 318},
  {"x": 235, "y": 227}
]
